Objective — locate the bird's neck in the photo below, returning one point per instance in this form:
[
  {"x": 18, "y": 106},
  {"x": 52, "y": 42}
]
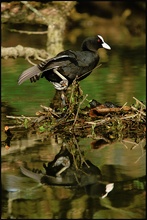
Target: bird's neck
[{"x": 88, "y": 47}]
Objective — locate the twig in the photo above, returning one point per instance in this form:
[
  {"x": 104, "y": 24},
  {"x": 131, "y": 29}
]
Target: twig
[
  {"x": 139, "y": 102},
  {"x": 20, "y": 117},
  {"x": 123, "y": 106},
  {"x": 39, "y": 58},
  {"x": 74, "y": 85},
  {"x": 139, "y": 111},
  {"x": 130, "y": 116},
  {"x": 79, "y": 109},
  {"x": 16, "y": 126},
  {"x": 27, "y": 58},
  {"x": 28, "y": 32},
  {"x": 99, "y": 122},
  {"x": 48, "y": 109}
]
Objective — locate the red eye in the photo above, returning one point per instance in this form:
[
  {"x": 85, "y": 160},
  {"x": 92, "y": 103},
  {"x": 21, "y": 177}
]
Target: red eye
[{"x": 99, "y": 40}]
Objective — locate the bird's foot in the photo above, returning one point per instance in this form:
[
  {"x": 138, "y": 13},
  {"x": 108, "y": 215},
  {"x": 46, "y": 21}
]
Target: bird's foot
[{"x": 62, "y": 85}]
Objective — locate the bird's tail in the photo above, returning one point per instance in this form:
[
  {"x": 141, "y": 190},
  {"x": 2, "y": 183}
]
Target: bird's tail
[{"x": 31, "y": 73}]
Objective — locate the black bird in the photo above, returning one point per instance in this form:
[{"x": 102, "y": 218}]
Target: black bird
[{"x": 68, "y": 65}]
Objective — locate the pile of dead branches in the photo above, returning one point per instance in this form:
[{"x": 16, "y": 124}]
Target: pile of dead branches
[{"x": 108, "y": 120}]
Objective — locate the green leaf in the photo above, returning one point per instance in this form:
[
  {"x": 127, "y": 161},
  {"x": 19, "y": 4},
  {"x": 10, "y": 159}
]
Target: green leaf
[{"x": 41, "y": 128}]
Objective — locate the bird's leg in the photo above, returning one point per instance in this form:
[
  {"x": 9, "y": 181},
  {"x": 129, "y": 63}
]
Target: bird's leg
[
  {"x": 61, "y": 171},
  {"x": 63, "y": 84}
]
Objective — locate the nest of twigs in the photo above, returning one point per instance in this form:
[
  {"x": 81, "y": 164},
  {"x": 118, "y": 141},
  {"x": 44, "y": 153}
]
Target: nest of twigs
[{"x": 107, "y": 120}]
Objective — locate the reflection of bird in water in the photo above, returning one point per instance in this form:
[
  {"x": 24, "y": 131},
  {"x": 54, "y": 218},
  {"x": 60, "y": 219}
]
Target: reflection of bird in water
[
  {"x": 62, "y": 172},
  {"x": 62, "y": 161},
  {"x": 88, "y": 177}
]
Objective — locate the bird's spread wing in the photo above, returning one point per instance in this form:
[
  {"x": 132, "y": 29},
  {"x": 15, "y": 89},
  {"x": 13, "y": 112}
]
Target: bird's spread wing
[{"x": 35, "y": 71}]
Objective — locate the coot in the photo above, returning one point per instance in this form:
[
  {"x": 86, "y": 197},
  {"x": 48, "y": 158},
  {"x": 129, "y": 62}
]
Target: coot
[{"x": 68, "y": 65}]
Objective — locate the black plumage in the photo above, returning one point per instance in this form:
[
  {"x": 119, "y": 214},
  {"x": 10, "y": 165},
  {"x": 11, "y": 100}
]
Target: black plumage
[{"x": 68, "y": 65}]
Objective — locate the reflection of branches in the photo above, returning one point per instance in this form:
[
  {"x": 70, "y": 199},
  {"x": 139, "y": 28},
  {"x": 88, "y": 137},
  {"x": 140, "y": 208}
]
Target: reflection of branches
[
  {"x": 9, "y": 137},
  {"x": 140, "y": 157},
  {"x": 81, "y": 157},
  {"x": 141, "y": 144},
  {"x": 132, "y": 143}
]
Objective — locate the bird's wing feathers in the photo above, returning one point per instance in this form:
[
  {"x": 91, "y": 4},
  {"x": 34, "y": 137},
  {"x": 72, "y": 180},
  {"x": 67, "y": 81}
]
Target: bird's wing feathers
[
  {"x": 63, "y": 56},
  {"x": 45, "y": 66}
]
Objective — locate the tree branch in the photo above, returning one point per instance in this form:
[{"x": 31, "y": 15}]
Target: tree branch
[
  {"x": 26, "y": 52},
  {"x": 35, "y": 11}
]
